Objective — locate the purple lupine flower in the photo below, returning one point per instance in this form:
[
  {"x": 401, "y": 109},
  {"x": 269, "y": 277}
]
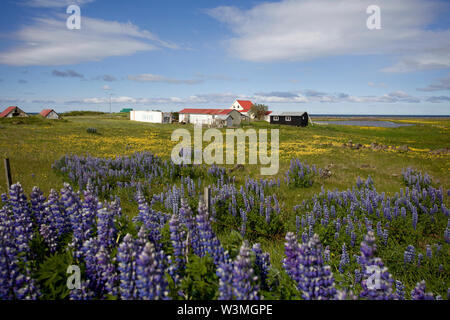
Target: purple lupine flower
[
  {"x": 208, "y": 243},
  {"x": 245, "y": 286},
  {"x": 106, "y": 229},
  {"x": 151, "y": 219},
  {"x": 178, "y": 238},
  {"x": 100, "y": 269},
  {"x": 82, "y": 221},
  {"x": 55, "y": 222},
  {"x": 377, "y": 281},
  {"x": 15, "y": 234},
  {"x": 419, "y": 259},
  {"x": 127, "y": 268},
  {"x": 399, "y": 290},
  {"x": 429, "y": 251},
  {"x": 304, "y": 237},
  {"x": 352, "y": 239},
  {"x": 37, "y": 200},
  {"x": 326, "y": 254},
  {"x": 262, "y": 262},
  {"x": 403, "y": 212},
  {"x": 385, "y": 236},
  {"x": 447, "y": 234},
  {"x": 419, "y": 292},
  {"x": 225, "y": 274},
  {"x": 345, "y": 259},
  {"x": 358, "y": 276},
  {"x": 379, "y": 230},
  {"x": 304, "y": 264},
  {"x": 415, "y": 217},
  {"x": 150, "y": 281},
  {"x": 410, "y": 254},
  {"x": 244, "y": 222}
]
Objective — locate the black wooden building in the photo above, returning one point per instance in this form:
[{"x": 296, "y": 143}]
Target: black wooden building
[{"x": 299, "y": 119}]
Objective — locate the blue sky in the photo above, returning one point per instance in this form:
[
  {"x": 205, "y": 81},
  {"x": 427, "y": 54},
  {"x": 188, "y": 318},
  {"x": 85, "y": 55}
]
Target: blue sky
[{"x": 313, "y": 55}]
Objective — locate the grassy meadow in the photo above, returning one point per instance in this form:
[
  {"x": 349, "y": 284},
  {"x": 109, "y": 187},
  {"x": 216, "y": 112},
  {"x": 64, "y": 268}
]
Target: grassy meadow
[{"x": 34, "y": 144}]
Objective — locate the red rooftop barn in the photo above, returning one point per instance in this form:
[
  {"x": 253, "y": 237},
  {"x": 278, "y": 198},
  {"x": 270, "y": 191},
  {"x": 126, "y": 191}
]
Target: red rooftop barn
[
  {"x": 219, "y": 117},
  {"x": 243, "y": 106},
  {"x": 49, "y": 114},
  {"x": 13, "y": 112}
]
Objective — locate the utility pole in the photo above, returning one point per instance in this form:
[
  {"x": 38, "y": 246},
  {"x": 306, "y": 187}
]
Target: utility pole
[{"x": 8, "y": 173}]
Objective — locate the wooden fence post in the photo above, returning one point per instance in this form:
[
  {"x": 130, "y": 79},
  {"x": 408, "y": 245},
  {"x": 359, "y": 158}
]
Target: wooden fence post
[
  {"x": 8, "y": 174},
  {"x": 207, "y": 197}
]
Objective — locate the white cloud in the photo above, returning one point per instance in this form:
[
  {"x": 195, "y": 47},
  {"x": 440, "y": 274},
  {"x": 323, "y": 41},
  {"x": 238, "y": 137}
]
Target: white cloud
[
  {"x": 148, "y": 77},
  {"x": 67, "y": 74},
  {"x": 11, "y": 101},
  {"x": 438, "y": 99},
  {"x": 442, "y": 84},
  {"x": 47, "y": 41},
  {"x": 294, "y": 30},
  {"x": 224, "y": 100}
]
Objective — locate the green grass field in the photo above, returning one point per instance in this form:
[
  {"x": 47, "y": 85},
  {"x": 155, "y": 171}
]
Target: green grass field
[{"x": 34, "y": 144}]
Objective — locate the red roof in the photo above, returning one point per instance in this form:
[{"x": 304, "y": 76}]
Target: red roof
[
  {"x": 245, "y": 104},
  {"x": 7, "y": 111},
  {"x": 207, "y": 111},
  {"x": 45, "y": 112}
]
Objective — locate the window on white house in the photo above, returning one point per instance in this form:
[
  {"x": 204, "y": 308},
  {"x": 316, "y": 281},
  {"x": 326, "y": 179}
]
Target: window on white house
[
  {"x": 275, "y": 118},
  {"x": 288, "y": 118}
]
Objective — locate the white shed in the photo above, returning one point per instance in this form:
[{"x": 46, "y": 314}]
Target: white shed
[
  {"x": 221, "y": 117},
  {"x": 151, "y": 116}
]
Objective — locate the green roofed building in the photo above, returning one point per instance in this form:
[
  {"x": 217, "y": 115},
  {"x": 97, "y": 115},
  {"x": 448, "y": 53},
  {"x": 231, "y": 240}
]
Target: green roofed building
[{"x": 126, "y": 110}]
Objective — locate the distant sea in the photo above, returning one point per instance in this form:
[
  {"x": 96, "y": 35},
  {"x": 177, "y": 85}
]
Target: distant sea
[{"x": 378, "y": 116}]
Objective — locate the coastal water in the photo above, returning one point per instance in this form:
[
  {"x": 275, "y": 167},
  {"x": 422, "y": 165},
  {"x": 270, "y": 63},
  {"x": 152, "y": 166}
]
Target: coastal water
[{"x": 366, "y": 123}]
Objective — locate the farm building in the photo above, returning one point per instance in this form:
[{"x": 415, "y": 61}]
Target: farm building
[
  {"x": 243, "y": 106},
  {"x": 125, "y": 110},
  {"x": 13, "y": 112},
  {"x": 151, "y": 116},
  {"x": 49, "y": 114},
  {"x": 299, "y": 119},
  {"x": 216, "y": 117}
]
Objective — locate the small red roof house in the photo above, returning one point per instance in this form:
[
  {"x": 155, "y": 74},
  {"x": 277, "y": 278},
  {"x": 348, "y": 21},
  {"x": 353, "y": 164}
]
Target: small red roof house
[
  {"x": 13, "y": 112},
  {"x": 49, "y": 114},
  {"x": 243, "y": 106},
  {"x": 221, "y": 117}
]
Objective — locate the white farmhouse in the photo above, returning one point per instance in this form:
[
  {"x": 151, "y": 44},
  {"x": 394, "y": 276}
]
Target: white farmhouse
[
  {"x": 49, "y": 114},
  {"x": 151, "y": 116},
  {"x": 218, "y": 117},
  {"x": 243, "y": 106}
]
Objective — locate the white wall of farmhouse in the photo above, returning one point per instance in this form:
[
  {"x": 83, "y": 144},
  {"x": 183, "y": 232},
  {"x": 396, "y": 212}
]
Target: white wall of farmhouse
[
  {"x": 236, "y": 106},
  {"x": 52, "y": 115},
  {"x": 148, "y": 116},
  {"x": 201, "y": 118}
]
